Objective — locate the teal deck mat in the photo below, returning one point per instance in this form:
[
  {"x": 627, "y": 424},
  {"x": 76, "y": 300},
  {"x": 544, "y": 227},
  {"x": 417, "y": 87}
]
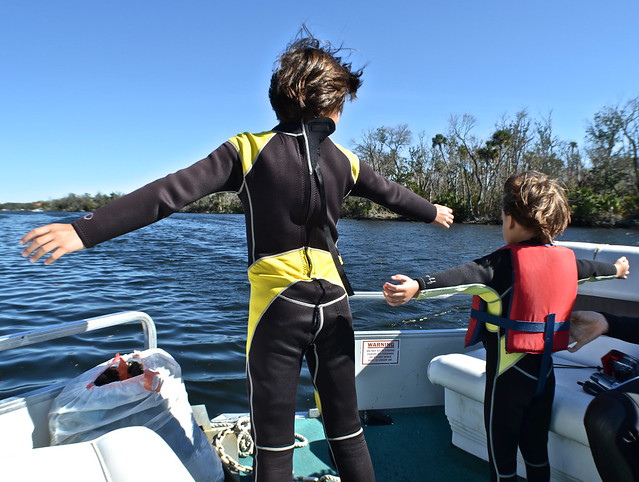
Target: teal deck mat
[{"x": 416, "y": 447}]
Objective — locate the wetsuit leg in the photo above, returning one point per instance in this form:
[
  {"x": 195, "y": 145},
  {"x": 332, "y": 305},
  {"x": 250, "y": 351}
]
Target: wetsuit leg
[
  {"x": 515, "y": 418},
  {"x": 312, "y": 319},
  {"x": 533, "y": 441},
  {"x": 502, "y": 426},
  {"x": 612, "y": 426},
  {"x": 273, "y": 367},
  {"x": 502, "y": 417},
  {"x": 331, "y": 361}
]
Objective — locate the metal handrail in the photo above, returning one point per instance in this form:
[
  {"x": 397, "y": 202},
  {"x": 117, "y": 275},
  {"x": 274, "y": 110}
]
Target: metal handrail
[
  {"x": 367, "y": 295},
  {"x": 378, "y": 295},
  {"x": 82, "y": 326},
  {"x": 62, "y": 330}
]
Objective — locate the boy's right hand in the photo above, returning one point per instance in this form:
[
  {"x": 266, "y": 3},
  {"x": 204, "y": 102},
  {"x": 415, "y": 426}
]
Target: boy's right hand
[
  {"x": 444, "y": 216},
  {"x": 399, "y": 294},
  {"x": 57, "y": 239}
]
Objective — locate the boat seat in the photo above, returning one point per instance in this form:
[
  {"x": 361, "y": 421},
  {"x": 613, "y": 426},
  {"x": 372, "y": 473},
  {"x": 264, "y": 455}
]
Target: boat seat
[
  {"x": 463, "y": 378},
  {"x": 130, "y": 454}
]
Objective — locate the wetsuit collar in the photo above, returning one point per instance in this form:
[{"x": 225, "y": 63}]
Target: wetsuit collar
[
  {"x": 534, "y": 241},
  {"x": 319, "y": 124}
]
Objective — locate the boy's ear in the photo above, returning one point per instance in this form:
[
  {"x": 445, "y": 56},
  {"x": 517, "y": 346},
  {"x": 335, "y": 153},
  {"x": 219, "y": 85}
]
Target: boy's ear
[{"x": 508, "y": 221}]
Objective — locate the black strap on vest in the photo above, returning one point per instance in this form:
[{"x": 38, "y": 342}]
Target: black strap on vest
[
  {"x": 317, "y": 131},
  {"x": 548, "y": 328},
  {"x": 518, "y": 325}
]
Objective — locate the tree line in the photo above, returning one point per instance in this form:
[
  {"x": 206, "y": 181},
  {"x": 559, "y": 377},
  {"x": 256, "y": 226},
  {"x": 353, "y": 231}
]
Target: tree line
[{"x": 465, "y": 172}]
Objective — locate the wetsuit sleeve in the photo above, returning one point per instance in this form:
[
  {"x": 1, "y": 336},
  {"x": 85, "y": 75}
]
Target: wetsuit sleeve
[
  {"x": 397, "y": 198},
  {"x": 482, "y": 270},
  {"x": 219, "y": 171},
  {"x": 588, "y": 270},
  {"x": 625, "y": 328}
]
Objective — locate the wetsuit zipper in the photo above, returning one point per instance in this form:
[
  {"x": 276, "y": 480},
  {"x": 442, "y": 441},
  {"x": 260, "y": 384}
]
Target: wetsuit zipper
[{"x": 309, "y": 204}]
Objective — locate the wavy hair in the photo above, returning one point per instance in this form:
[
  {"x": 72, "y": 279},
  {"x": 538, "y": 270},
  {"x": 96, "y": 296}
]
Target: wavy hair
[
  {"x": 310, "y": 80},
  {"x": 537, "y": 202}
]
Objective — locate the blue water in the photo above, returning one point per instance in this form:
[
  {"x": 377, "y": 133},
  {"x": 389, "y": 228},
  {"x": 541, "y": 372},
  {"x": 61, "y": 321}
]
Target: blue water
[{"x": 188, "y": 272}]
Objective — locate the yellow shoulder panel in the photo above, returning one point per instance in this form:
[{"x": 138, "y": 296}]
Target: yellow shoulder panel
[
  {"x": 249, "y": 146},
  {"x": 354, "y": 160}
]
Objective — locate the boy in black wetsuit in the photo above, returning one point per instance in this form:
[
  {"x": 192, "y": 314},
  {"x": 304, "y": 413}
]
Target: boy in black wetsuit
[
  {"x": 524, "y": 295},
  {"x": 291, "y": 180}
]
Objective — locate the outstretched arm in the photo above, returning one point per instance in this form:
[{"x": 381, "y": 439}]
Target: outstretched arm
[
  {"x": 481, "y": 270},
  {"x": 57, "y": 239},
  {"x": 399, "y": 199},
  {"x": 591, "y": 270}
]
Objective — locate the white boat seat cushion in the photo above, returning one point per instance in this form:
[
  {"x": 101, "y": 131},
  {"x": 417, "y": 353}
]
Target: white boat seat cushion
[
  {"x": 466, "y": 374},
  {"x": 131, "y": 454}
]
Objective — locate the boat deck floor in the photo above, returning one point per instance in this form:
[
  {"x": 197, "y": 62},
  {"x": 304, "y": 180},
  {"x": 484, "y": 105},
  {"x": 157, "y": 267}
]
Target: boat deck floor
[{"x": 416, "y": 447}]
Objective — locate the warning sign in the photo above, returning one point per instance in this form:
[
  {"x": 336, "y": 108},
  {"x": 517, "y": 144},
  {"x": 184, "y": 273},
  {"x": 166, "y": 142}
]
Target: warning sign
[{"x": 380, "y": 352}]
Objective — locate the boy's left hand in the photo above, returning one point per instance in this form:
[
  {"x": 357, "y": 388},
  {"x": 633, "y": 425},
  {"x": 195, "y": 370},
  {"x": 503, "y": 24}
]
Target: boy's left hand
[
  {"x": 444, "y": 217},
  {"x": 57, "y": 239},
  {"x": 623, "y": 267},
  {"x": 401, "y": 293}
]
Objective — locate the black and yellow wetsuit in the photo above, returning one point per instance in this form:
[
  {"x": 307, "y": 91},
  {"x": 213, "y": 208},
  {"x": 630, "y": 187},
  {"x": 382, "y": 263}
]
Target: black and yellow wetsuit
[{"x": 298, "y": 304}]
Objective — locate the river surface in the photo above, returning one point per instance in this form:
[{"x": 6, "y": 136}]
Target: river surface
[{"x": 188, "y": 272}]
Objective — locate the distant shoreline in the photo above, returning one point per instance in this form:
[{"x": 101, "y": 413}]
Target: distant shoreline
[{"x": 622, "y": 224}]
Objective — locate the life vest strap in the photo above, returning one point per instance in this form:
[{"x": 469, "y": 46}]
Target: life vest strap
[
  {"x": 547, "y": 327},
  {"x": 546, "y": 357},
  {"x": 519, "y": 325}
]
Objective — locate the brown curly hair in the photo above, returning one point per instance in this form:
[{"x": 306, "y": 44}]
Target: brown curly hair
[
  {"x": 537, "y": 202},
  {"x": 311, "y": 81}
]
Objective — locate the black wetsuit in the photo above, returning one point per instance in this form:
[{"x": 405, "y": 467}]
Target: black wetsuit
[
  {"x": 515, "y": 415},
  {"x": 612, "y": 418},
  {"x": 298, "y": 306}
]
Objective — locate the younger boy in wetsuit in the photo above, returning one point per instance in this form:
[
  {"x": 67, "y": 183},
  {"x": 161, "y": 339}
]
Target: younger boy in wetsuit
[
  {"x": 528, "y": 280},
  {"x": 291, "y": 181}
]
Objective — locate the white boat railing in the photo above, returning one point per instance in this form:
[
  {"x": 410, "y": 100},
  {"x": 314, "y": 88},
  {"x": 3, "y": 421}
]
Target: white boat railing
[{"x": 83, "y": 326}]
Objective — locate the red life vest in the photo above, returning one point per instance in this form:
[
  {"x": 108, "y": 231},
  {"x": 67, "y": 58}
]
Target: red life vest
[{"x": 544, "y": 288}]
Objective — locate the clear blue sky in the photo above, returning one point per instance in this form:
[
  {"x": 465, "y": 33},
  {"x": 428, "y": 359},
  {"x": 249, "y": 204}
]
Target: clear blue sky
[{"x": 105, "y": 96}]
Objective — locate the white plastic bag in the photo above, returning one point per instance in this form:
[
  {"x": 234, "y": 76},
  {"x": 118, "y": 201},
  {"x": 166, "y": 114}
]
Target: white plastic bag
[{"x": 156, "y": 399}]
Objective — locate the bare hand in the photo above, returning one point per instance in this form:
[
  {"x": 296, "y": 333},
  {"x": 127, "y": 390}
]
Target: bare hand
[
  {"x": 585, "y": 326},
  {"x": 57, "y": 239},
  {"x": 444, "y": 216},
  {"x": 401, "y": 293},
  {"x": 623, "y": 267}
]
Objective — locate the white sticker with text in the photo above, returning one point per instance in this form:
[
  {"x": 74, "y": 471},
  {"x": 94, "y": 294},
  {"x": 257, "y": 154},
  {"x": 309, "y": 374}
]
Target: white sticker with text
[{"x": 380, "y": 352}]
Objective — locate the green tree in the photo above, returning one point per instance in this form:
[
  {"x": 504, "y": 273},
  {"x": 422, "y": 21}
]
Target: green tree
[{"x": 383, "y": 148}]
